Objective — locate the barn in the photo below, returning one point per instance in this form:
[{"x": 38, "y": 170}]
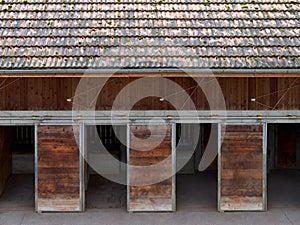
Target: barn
[{"x": 169, "y": 100}]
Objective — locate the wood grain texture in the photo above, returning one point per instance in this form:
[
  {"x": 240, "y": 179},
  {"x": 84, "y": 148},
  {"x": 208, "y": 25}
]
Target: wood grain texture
[
  {"x": 156, "y": 197},
  {"x": 5, "y": 155},
  {"x": 242, "y": 168},
  {"x": 52, "y": 93},
  {"x": 58, "y": 169},
  {"x": 242, "y": 204}
]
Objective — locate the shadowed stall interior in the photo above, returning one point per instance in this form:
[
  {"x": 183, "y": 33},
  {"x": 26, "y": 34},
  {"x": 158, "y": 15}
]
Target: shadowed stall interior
[
  {"x": 17, "y": 167},
  {"x": 196, "y": 190},
  {"x": 102, "y": 193},
  {"x": 5, "y": 155},
  {"x": 284, "y": 165}
]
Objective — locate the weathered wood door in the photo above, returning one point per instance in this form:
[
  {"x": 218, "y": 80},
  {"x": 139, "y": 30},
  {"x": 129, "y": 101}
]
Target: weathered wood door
[
  {"x": 242, "y": 168},
  {"x": 59, "y": 183},
  {"x": 156, "y": 196}
]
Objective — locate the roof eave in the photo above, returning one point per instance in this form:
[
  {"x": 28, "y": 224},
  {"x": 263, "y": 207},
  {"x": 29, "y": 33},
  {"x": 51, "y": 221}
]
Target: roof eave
[{"x": 149, "y": 72}]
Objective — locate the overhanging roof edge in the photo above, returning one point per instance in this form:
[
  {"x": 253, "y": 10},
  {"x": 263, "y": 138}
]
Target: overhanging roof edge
[{"x": 140, "y": 71}]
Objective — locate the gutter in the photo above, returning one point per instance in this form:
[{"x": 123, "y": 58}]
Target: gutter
[{"x": 216, "y": 72}]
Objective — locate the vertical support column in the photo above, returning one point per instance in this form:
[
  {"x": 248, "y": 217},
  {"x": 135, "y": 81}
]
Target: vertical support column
[
  {"x": 36, "y": 168},
  {"x": 59, "y": 183},
  {"x": 157, "y": 196},
  {"x": 86, "y": 171},
  {"x": 82, "y": 165},
  {"x": 242, "y": 168}
]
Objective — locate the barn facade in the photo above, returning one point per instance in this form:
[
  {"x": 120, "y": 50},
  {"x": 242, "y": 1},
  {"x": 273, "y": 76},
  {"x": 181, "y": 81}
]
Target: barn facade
[{"x": 218, "y": 80}]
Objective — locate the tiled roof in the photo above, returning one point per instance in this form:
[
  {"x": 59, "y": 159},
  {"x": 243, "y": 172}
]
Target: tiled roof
[{"x": 221, "y": 34}]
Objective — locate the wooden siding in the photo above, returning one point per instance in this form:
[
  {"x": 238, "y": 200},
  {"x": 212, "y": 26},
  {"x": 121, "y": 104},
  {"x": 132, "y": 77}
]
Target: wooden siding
[
  {"x": 241, "y": 168},
  {"x": 52, "y": 93},
  {"x": 156, "y": 197},
  {"x": 5, "y": 155},
  {"x": 58, "y": 169}
]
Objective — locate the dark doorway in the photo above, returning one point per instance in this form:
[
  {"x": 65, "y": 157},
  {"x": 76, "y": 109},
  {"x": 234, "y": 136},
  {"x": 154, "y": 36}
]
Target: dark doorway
[
  {"x": 196, "y": 190},
  {"x": 101, "y": 192},
  {"x": 17, "y": 172},
  {"x": 283, "y": 165}
]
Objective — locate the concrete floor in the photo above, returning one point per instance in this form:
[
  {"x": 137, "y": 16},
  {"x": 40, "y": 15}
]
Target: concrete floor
[
  {"x": 197, "y": 192},
  {"x": 196, "y": 204},
  {"x": 284, "y": 189},
  {"x": 18, "y": 193},
  {"x": 104, "y": 194}
]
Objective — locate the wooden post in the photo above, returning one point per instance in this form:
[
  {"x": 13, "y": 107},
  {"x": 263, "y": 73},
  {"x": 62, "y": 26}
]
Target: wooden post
[
  {"x": 158, "y": 196},
  {"x": 242, "y": 168},
  {"x": 58, "y": 168}
]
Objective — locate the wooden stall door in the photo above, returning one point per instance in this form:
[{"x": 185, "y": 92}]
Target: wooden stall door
[
  {"x": 155, "y": 197},
  {"x": 242, "y": 169},
  {"x": 58, "y": 169}
]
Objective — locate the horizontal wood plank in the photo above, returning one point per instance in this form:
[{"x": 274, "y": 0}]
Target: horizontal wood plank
[{"x": 241, "y": 203}]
